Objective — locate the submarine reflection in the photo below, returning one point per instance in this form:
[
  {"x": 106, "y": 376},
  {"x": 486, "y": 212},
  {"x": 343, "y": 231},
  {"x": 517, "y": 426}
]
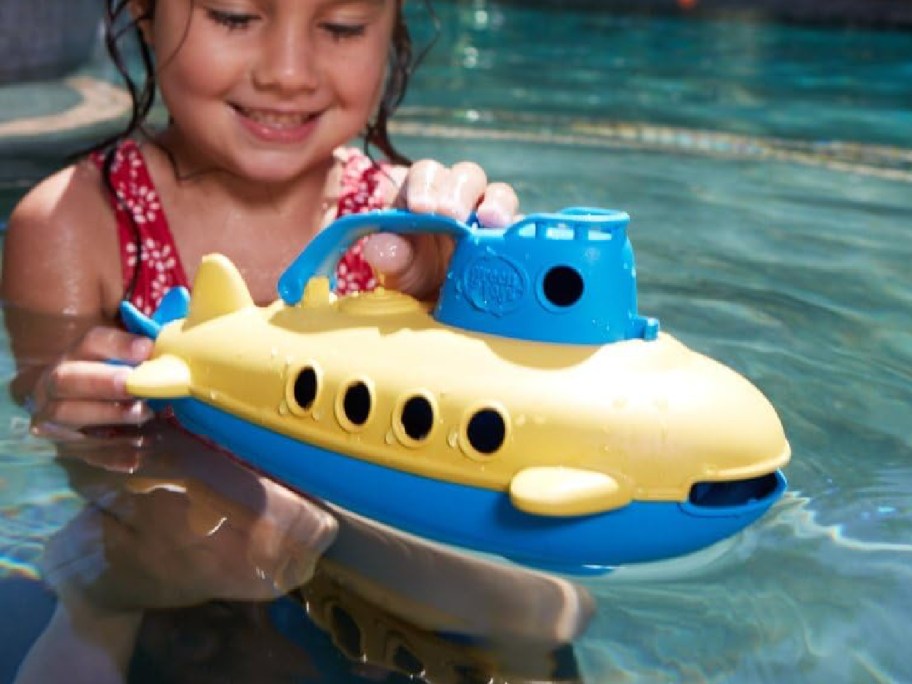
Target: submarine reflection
[{"x": 232, "y": 577}]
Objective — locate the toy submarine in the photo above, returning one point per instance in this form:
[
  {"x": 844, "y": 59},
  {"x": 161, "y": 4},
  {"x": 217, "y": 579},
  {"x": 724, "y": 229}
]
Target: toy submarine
[{"x": 531, "y": 412}]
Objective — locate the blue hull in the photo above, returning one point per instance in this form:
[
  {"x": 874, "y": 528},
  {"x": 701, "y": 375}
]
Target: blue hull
[{"x": 471, "y": 517}]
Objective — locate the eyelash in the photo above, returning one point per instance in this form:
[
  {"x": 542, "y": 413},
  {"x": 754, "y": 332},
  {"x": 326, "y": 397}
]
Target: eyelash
[
  {"x": 231, "y": 20},
  {"x": 237, "y": 22},
  {"x": 344, "y": 31}
]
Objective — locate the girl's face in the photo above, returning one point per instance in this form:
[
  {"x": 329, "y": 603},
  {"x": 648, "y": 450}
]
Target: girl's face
[{"x": 267, "y": 89}]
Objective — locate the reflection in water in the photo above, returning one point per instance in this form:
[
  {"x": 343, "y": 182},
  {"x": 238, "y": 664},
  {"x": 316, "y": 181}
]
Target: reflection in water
[
  {"x": 428, "y": 611},
  {"x": 181, "y": 564},
  {"x": 365, "y": 633},
  {"x": 765, "y": 237},
  {"x": 796, "y": 276},
  {"x": 178, "y": 567}
]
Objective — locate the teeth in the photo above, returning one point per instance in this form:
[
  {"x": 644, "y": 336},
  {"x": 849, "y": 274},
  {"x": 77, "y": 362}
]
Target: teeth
[{"x": 276, "y": 119}]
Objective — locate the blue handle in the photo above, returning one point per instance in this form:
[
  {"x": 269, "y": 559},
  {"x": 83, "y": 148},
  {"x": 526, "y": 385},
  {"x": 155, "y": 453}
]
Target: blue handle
[{"x": 323, "y": 253}]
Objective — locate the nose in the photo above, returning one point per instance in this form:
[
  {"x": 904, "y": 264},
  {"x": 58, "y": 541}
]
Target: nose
[{"x": 286, "y": 60}]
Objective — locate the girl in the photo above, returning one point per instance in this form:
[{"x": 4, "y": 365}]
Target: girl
[{"x": 261, "y": 95}]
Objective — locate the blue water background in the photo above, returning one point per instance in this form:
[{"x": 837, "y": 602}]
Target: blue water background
[{"x": 768, "y": 171}]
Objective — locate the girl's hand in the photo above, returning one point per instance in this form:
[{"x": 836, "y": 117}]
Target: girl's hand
[
  {"x": 417, "y": 264},
  {"x": 185, "y": 526},
  {"x": 84, "y": 388}
]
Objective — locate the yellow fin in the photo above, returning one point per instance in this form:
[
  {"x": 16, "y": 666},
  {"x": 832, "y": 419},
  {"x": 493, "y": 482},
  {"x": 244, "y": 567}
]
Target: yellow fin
[
  {"x": 317, "y": 292},
  {"x": 561, "y": 491},
  {"x": 218, "y": 289},
  {"x": 166, "y": 377}
]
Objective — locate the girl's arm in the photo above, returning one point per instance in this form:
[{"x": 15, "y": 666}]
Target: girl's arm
[
  {"x": 61, "y": 286},
  {"x": 82, "y": 644},
  {"x": 60, "y": 254}
]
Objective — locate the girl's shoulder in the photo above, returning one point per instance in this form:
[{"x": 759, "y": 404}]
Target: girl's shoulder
[
  {"x": 60, "y": 243},
  {"x": 70, "y": 193}
]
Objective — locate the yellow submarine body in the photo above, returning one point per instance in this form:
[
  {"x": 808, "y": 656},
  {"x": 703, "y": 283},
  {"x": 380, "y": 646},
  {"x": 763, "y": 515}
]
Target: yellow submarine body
[{"x": 516, "y": 417}]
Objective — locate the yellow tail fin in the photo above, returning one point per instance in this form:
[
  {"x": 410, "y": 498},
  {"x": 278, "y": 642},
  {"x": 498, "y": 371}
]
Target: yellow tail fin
[{"x": 218, "y": 289}]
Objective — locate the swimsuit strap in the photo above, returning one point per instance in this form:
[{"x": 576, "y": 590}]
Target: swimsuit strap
[
  {"x": 142, "y": 230},
  {"x": 361, "y": 191},
  {"x": 141, "y": 221}
]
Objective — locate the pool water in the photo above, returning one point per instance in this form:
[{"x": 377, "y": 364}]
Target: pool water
[{"x": 768, "y": 173}]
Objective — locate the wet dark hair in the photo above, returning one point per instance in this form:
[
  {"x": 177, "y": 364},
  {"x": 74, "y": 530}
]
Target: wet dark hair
[{"x": 121, "y": 26}]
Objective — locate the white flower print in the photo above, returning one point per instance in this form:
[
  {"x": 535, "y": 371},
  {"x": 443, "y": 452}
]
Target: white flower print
[{"x": 159, "y": 257}]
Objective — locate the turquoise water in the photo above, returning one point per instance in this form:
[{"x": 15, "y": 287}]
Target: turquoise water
[{"x": 768, "y": 171}]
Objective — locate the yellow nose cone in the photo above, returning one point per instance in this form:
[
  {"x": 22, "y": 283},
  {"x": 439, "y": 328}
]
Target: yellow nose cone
[{"x": 166, "y": 377}]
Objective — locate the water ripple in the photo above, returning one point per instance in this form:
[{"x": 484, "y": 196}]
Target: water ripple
[{"x": 881, "y": 161}]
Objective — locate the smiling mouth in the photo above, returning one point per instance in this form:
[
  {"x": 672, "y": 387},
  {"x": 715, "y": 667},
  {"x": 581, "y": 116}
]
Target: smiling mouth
[{"x": 276, "y": 120}]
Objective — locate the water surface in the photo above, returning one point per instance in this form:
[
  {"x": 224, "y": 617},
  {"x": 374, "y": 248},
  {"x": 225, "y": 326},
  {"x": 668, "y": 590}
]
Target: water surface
[{"x": 767, "y": 171}]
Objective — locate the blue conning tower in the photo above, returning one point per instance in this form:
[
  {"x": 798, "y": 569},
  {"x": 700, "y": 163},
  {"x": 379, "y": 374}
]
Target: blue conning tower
[{"x": 566, "y": 277}]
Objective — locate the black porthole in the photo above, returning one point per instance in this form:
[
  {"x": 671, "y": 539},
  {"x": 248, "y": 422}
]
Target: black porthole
[
  {"x": 563, "y": 286},
  {"x": 305, "y": 388},
  {"x": 417, "y": 418},
  {"x": 346, "y": 632},
  {"x": 407, "y": 662},
  {"x": 471, "y": 674},
  {"x": 486, "y": 431},
  {"x": 356, "y": 404}
]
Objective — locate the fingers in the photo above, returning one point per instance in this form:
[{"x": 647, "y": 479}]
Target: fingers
[
  {"x": 388, "y": 253},
  {"x": 74, "y": 414},
  {"x": 498, "y": 206},
  {"x": 103, "y": 344},
  {"x": 289, "y": 541},
  {"x": 431, "y": 188},
  {"x": 87, "y": 380},
  {"x": 83, "y": 388},
  {"x": 417, "y": 264}
]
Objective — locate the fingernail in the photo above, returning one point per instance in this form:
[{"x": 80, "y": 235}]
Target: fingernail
[
  {"x": 389, "y": 254},
  {"x": 422, "y": 203},
  {"x": 493, "y": 217},
  {"x": 140, "y": 349},
  {"x": 119, "y": 379},
  {"x": 458, "y": 208},
  {"x": 421, "y": 196},
  {"x": 138, "y": 412},
  {"x": 297, "y": 570}
]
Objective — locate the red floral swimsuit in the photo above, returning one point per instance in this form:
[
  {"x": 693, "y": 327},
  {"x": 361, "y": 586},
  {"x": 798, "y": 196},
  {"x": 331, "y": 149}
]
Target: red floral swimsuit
[{"x": 137, "y": 208}]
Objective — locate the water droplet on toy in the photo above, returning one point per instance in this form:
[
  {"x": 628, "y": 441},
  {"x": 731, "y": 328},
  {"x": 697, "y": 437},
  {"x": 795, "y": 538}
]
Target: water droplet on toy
[
  {"x": 316, "y": 415},
  {"x": 390, "y": 438},
  {"x": 453, "y": 439},
  {"x": 213, "y": 395},
  {"x": 283, "y": 408}
]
